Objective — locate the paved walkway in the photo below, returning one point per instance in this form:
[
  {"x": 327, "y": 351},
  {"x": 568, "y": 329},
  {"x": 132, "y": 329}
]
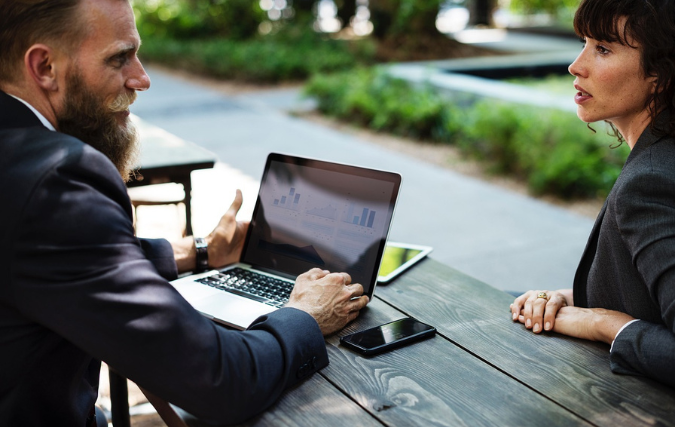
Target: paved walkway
[{"x": 508, "y": 240}]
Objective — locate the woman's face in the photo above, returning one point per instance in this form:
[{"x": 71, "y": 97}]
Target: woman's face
[{"x": 611, "y": 85}]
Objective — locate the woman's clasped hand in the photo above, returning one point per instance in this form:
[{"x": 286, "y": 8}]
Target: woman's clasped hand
[
  {"x": 554, "y": 311},
  {"x": 537, "y": 310}
]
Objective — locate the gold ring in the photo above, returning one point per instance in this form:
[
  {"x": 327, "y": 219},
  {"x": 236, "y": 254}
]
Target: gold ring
[{"x": 542, "y": 295}]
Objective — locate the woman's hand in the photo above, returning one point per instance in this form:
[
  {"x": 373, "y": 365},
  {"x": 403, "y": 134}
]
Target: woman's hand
[
  {"x": 537, "y": 310},
  {"x": 595, "y": 324}
]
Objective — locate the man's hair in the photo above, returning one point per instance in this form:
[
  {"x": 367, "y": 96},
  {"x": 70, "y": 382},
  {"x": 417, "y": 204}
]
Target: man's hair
[
  {"x": 650, "y": 24},
  {"x": 24, "y": 23}
]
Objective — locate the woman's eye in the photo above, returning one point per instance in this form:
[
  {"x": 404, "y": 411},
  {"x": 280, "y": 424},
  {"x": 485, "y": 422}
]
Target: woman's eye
[{"x": 601, "y": 49}]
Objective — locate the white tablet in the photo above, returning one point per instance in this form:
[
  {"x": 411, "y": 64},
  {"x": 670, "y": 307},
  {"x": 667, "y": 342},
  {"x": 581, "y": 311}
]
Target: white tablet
[{"x": 398, "y": 257}]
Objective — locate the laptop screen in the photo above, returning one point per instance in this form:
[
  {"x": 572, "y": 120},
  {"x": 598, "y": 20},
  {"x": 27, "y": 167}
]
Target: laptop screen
[{"x": 311, "y": 213}]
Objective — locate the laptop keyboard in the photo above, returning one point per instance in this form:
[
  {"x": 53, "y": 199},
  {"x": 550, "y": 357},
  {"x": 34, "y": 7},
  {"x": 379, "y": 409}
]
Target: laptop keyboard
[{"x": 249, "y": 284}]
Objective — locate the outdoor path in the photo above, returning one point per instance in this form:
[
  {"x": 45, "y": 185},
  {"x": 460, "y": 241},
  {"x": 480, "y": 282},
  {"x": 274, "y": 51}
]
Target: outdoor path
[{"x": 508, "y": 240}]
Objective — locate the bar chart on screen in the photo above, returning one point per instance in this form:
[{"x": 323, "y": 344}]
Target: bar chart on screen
[
  {"x": 364, "y": 217},
  {"x": 290, "y": 201}
]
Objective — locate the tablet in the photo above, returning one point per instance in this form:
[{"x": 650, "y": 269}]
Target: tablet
[{"x": 398, "y": 257}]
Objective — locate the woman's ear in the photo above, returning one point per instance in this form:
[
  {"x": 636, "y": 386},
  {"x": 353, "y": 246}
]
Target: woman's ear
[
  {"x": 40, "y": 66},
  {"x": 654, "y": 80}
]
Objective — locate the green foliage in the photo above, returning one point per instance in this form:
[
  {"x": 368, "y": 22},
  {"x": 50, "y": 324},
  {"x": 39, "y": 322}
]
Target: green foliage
[
  {"x": 553, "y": 7},
  {"x": 552, "y": 150},
  {"x": 409, "y": 18},
  {"x": 294, "y": 53},
  {"x": 235, "y": 19},
  {"x": 382, "y": 103}
]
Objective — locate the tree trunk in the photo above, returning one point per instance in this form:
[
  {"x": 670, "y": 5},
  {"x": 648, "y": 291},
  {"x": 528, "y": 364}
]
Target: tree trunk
[
  {"x": 382, "y": 15},
  {"x": 420, "y": 18},
  {"x": 346, "y": 10},
  {"x": 481, "y": 13},
  {"x": 304, "y": 9}
]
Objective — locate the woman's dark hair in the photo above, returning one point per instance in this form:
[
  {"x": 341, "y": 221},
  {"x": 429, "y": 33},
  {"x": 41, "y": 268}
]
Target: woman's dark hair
[{"x": 650, "y": 24}]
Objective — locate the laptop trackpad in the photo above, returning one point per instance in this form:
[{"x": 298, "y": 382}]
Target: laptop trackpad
[
  {"x": 194, "y": 292},
  {"x": 233, "y": 310}
]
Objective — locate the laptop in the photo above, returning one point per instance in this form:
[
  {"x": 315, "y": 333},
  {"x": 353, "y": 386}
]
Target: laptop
[{"x": 309, "y": 213}]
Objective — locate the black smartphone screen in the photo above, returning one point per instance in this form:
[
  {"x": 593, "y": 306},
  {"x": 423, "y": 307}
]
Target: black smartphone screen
[{"x": 390, "y": 335}]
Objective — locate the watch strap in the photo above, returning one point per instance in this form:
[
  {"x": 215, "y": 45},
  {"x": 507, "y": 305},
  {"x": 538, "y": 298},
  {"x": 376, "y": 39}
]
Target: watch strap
[{"x": 202, "y": 254}]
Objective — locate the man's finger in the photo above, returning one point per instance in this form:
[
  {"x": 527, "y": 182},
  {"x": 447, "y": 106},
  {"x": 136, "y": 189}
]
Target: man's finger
[
  {"x": 313, "y": 274},
  {"x": 353, "y": 315},
  {"x": 343, "y": 278},
  {"x": 356, "y": 289},
  {"x": 358, "y": 304},
  {"x": 348, "y": 279},
  {"x": 236, "y": 203}
]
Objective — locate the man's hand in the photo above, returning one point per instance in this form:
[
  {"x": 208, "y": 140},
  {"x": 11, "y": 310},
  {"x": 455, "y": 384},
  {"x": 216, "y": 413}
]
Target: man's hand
[
  {"x": 328, "y": 298},
  {"x": 226, "y": 241}
]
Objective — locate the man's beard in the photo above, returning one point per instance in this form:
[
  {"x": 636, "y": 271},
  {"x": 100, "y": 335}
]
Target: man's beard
[{"x": 88, "y": 118}]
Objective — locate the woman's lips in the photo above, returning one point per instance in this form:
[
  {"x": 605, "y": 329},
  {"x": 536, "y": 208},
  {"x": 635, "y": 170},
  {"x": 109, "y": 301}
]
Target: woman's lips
[{"x": 581, "y": 96}]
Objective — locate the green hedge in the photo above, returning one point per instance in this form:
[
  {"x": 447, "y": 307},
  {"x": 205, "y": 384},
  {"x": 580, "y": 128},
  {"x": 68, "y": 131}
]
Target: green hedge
[
  {"x": 551, "y": 149},
  {"x": 291, "y": 53},
  {"x": 234, "y": 19}
]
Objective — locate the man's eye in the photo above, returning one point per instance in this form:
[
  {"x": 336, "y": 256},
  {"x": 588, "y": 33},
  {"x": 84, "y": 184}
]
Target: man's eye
[{"x": 119, "y": 60}]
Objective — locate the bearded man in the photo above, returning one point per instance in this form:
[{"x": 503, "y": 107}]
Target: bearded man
[{"x": 76, "y": 286}]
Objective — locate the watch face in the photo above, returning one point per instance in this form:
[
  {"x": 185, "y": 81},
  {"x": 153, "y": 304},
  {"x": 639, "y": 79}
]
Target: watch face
[{"x": 200, "y": 243}]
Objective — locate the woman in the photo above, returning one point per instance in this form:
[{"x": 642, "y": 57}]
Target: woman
[{"x": 624, "y": 288}]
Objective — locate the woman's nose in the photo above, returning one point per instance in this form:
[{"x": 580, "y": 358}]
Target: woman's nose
[{"x": 576, "y": 68}]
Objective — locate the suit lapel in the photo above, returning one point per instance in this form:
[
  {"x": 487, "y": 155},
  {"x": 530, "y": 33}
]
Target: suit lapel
[{"x": 581, "y": 276}]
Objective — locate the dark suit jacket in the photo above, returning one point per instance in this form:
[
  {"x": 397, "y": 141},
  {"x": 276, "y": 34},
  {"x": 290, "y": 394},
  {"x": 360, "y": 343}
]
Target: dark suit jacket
[
  {"x": 77, "y": 287},
  {"x": 629, "y": 262}
]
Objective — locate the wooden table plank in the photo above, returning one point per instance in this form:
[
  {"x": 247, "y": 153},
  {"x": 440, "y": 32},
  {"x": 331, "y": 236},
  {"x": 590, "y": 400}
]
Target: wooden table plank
[
  {"x": 434, "y": 383},
  {"x": 314, "y": 403},
  {"x": 574, "y": 373}
]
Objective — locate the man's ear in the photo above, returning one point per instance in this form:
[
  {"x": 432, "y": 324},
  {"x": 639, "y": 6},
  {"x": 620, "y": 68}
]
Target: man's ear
[{"x": 40, "y": 66}]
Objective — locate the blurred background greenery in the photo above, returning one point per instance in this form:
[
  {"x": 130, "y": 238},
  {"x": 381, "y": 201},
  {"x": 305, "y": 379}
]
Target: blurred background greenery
[
  {"x": 334, "y": 48},
  {"x": 276, "y": 40}
]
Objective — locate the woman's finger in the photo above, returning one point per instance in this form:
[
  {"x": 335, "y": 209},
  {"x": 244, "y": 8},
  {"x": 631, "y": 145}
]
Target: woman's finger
[
  {"x": 527, "y": 312},
  {"x": 517, "y": 305},
  {"x": 538, "y": 307},
  {"x": 554, "y": 304}
]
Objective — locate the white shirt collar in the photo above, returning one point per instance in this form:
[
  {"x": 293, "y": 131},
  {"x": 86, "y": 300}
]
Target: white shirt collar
[{"x": 42, "y": 118}]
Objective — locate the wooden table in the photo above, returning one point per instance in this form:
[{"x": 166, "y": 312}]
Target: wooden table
[
  {"x": 480, "y": 369},
  {"x": 167, "y": 158}
]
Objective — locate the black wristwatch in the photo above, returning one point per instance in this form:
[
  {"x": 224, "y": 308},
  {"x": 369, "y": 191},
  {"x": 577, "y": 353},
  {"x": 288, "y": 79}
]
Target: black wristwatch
[{"x": 202, "y": 255}]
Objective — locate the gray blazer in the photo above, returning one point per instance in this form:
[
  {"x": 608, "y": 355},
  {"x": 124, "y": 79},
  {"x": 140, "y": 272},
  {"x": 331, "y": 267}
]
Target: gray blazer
[{"x": 629, "y": 262}]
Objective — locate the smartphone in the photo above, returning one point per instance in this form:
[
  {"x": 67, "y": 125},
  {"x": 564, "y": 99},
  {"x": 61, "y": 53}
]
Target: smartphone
[
  {"x": 397, "y": 258},
  {"x": 388, "y": 336}
]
